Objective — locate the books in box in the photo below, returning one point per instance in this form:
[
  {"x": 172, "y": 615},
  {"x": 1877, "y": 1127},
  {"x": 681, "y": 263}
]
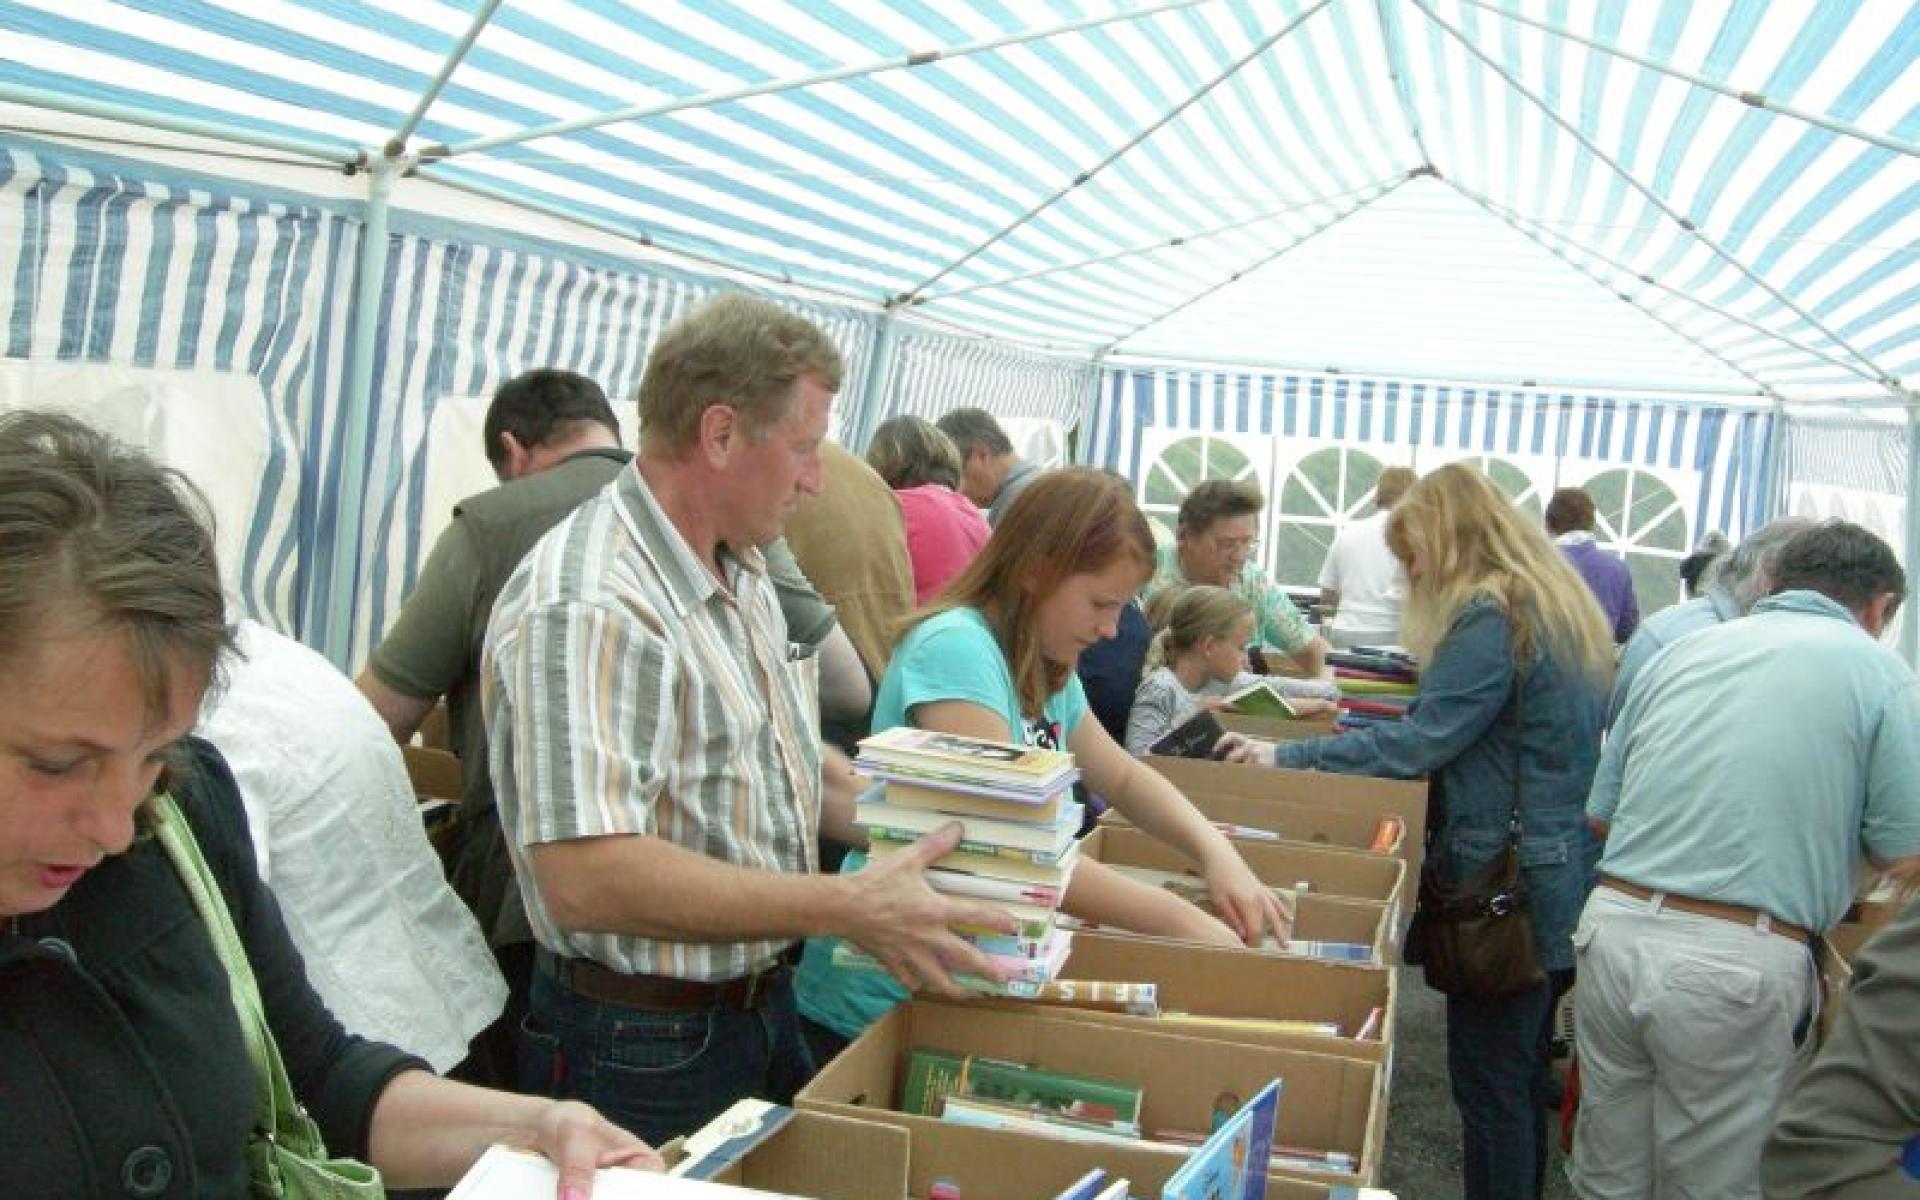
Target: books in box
[
  {"x": 934, "y": 1075},
  {"x": 1232, "y": 1163}
]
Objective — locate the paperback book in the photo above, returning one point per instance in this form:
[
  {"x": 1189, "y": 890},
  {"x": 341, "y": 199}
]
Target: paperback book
[
  {"x": 933, "y": 1075},
  {"x": 913, "y": 749},
  {"x": 1232, "y": 1163},
  {"x": 982, "y": 835}
]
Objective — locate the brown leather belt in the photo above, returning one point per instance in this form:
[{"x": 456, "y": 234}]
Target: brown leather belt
[
  {"x": 1736, "y": 913},
  {"x": 659, "y": 993}
]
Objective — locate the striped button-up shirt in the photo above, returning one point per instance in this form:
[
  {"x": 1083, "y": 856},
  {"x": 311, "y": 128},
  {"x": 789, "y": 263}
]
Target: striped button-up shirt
[{"x": 627, "y": 692}]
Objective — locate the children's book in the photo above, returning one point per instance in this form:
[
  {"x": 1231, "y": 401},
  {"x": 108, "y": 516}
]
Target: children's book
[
  {"x": 1195, "y": 737},
  {"x": 1232, "y": 1163},
  {"x": 986, "y": 1114},
  {"x": 975, "y": 758},
  {"x": 1261, "y": 699}
]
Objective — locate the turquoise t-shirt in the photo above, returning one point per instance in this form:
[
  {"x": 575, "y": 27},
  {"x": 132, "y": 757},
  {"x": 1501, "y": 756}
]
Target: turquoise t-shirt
[{"x": 953, "y": 656}]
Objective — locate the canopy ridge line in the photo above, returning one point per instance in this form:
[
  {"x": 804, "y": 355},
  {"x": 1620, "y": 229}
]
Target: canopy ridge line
[
  {"x": 1396, "y": 52},
  {"x": 911, "y": 295},
  {"x": 1881, "y": 375},
  {"x": 894, "y": 62}
]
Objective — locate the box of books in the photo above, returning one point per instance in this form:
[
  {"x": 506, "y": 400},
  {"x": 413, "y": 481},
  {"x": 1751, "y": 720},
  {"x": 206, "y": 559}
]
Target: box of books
[
  {"x": 1275, "y": 728},
  {"x": 1314, "y": 1005},
  {"x": 1254, "y": 820},
  {"x": 1322, "y": 871},
  {"x": 1101, "y": 1087},
  {"x": 772, "y": 1148},
  {"x": 1358, "y": 795}
]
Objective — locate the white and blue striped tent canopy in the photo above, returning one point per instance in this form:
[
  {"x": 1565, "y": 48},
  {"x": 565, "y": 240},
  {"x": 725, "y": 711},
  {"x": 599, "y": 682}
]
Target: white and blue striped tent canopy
[{"x": 1622, "y": 215}]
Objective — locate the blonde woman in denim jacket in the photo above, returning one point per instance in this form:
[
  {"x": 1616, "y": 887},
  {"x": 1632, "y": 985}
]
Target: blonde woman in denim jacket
[{"x": 1517, "y": 661}]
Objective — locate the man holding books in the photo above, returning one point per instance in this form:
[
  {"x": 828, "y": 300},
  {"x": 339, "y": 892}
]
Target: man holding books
[
  {"x": 1752, "y": 765},
  {"x": 657, "y": 762}
]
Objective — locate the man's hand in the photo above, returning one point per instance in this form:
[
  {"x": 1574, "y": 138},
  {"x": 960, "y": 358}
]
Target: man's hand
[
  {"x": 903, "y": 922},
  {"x": 1239, "y": 748}
]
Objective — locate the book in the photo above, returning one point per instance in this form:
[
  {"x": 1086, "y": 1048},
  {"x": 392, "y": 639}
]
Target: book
[
  {"x": 1090, "y": 1186},
  {"x": 1232, "y": 1163},
  {"x": 504, "y": 1173},
  {"x": 729, "y": 1137},
  {"x": 1261, "y": 699},
  {"x": 1257, "y": 1024},
  {"x": 1196, "y": 737},
  {"x": 890, "y": 822},
  {"x": 1103, "y": 995},
  {"x": 990, "y": 887},
  {"x": 985, "y": 1114},
  {"x": 966, "y": 800},
  {"x": 976, "y": 758},
  {"x": 933, "y": 1075},
  {"x": 1013, "y": 865},
  {"x": 1027, "y": 972},
  {"x": 1369, "y": 1030}
]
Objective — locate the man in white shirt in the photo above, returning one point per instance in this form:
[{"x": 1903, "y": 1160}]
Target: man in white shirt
[
  {"x": 1362, "y": 585},
  {"x": 389, "y": 947}
]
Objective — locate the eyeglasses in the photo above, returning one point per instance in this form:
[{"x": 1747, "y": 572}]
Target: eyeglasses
[{"x": 1246, "y": 545}]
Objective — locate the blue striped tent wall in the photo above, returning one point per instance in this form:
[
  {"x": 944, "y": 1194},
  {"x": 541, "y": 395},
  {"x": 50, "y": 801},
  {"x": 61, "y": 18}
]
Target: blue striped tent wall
[
  {"x": 932, "y": 373},
  {"x": 460, "y": 317},
  {"x": 1725, "y": 446},
  {"x": 1867, "y": 456},
  {"x": 106, "y": 265}
]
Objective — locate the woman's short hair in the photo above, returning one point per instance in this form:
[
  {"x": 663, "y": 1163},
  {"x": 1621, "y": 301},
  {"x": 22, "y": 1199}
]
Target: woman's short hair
[
  {"x": 1461, "y": 538},
  {"x": 909, "y": 451},
  {"x": 1071, "y": 521},
  {"x": 95, "y": 534},
  {"x": 737, "y": 350}
]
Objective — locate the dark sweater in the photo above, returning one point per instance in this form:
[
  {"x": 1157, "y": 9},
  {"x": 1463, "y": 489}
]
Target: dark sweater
[{"x": 126, "y": 1074}]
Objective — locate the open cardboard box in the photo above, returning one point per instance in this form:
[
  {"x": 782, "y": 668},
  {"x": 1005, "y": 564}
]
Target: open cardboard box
[
  {"x": 1275, "y": 729},
  {"x": 1324, "y": 871},
  {"x": 1304, "y": 824},
  {"x": 1359, "y": 795},
  {"x": 1207, "y": 981},
  {"x": 820, "y": 1156},
  {"x": 1326, "y": 1103},
  {"x": 1316, "y": 917}
]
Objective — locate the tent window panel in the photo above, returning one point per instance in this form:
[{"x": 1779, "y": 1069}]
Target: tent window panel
[
  {"x": 1324, "y": 490},
  {"x": 1640, "y": 517},
  {"x": 1182, "y": 463}
]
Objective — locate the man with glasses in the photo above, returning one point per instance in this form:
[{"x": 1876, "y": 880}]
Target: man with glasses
[{"x": 1216, "y": 543}]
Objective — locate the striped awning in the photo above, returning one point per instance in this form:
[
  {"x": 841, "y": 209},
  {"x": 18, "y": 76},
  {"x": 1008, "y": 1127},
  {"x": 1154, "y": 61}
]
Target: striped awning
[{"x": 1449, "y": 188}]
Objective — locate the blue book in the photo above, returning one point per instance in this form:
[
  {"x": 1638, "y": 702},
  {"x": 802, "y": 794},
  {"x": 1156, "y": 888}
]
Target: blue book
[
  {"x": 1087, "y": 1187},
  {"x": 1232, "y": 1164}
]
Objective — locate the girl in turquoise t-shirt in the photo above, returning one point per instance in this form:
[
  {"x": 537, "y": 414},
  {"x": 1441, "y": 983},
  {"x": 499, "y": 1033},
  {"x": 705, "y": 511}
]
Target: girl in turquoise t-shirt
[{"x": 994, "y": 658}]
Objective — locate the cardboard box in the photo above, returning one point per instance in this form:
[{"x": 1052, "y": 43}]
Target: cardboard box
[
  {"x": 435, "y": 774},
  {"x": 1360, "y": 795},
  {"x": 820, "y": 1156},
  {"x": 1327, "y": 1103},
  {"x": 1303, "y": 824},
  {"x": 1275, "y": 729},
  {"x": 436, "y": 729},
  {"x": 1326, "y": 871},
  {"x": 1317, "y": 917}
]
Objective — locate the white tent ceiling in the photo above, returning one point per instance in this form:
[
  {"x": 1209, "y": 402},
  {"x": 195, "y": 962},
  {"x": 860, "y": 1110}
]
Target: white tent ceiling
[{"x": 1477, "y": 189}]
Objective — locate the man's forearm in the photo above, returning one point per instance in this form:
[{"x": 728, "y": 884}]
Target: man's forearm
[{"x": 647, "y": 887}]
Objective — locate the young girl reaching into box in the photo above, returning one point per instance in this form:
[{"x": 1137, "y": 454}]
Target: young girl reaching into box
[
  {"x": 1198, "y": 657},
  {"x": 994, "y": 658}
]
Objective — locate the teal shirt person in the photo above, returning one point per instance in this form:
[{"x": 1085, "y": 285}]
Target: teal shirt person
[
  {"x": 1740, "y": 773},
  {"x": 951, "y": 656}
]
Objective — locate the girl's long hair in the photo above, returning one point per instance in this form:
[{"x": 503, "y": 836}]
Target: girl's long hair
[
  {"x": 1469, "y": 541},
  {"x": 1071, "y": 521},
  {"x": 1182, "y": 618}
]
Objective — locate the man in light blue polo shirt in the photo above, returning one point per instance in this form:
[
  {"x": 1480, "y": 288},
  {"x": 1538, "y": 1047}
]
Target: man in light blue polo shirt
[
  {"x": 1753, "y": 767},
  {"x": 1735, "y": 584}
]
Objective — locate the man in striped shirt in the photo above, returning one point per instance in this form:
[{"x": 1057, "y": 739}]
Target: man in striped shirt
[{"x": 656, "y": 758}]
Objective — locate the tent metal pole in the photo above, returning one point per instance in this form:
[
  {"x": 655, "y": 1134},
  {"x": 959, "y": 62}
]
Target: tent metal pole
[
  {"x": 356, "y": 445},
  {"x": 1910, "y": 609},
  {"x": 1751, "y": 99},
  {"x": 873, "y": 391},
  {"x": 1773, "y": 494},
  {"x": 1298, "y": 242},
  {"x": 1393, "y": 45},
  {"x": 637, "y": 236},
  {"x": 1135, "y": 251},
  {"x": 1097, "y": 367},
  {"x": 1694, "y": 395},
  {"x": 918, "y": 58},
  {"x": 455, "y": 56},
  {"x": 80, "y": 106},
  {"x": 1654, "y": 198},
  {"x": 1159, "y": 123},
  {"x": 1529, "y": 227}
]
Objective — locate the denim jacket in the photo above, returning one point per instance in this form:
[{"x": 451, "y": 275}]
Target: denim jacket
[{"x": 1465, "y": 731}]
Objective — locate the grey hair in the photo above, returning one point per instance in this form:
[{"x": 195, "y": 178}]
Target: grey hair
[{"x": 1743, "y": 573}]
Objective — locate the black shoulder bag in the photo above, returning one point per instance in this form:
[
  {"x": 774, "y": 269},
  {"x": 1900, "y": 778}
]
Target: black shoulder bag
[{"x": 1475, "y": 937}]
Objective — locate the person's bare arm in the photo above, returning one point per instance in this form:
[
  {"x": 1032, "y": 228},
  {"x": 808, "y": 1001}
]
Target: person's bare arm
[
  {"x": 402, "y": 713},
  {"x": 647, "y": 887},
  {"x": 1329, "y": 602},
  {"x": 1102, "y": 895},
  {"x": 840, "y": 788},
  {"x": 1311, "y": 659}
]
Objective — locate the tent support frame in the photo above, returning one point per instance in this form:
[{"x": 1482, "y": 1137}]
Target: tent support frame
[
  {"x": 1652, "y": 197},
  {"x": 918, "y": 58},
  {"x": 398, "y": 144},
  {"x": 81, "y": 106}
]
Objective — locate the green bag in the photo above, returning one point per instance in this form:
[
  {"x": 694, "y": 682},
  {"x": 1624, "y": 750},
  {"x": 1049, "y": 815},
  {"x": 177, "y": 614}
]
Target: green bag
[{"x": 285, "y": 1153}]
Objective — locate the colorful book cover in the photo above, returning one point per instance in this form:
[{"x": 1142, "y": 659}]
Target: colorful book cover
[
  {"x": 985, "y": 1114},
  {"x": 1232, "y": 1163},
  {"x": 1261, "y": 700},
  {"x": 933, "y": 1075},
  {"x": 1087, "y": 1187},
  {"x": 976, "y": 757}
]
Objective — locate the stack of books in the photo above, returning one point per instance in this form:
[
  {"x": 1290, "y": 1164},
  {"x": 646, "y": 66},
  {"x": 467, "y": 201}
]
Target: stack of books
[
  {"x": 995, "y": 1094},
  {"x": 1375, "y": 685},
  {"x": 1017, "y": 853}
]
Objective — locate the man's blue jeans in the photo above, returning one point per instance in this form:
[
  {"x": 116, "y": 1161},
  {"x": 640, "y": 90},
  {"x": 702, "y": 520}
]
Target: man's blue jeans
[
  {"x": 660, "y": 1074},
  {"x": 1497, "y": 1063}
]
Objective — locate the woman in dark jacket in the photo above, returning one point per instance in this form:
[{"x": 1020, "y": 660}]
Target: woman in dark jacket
[
  {"x": 1517, "y": 661},
  {"x": 123, "y": 1070}
]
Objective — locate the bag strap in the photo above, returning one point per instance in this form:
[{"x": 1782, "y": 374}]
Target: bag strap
[
  {"x": 1519, "y": 731},
  {"x": 280, "y": 1116}
]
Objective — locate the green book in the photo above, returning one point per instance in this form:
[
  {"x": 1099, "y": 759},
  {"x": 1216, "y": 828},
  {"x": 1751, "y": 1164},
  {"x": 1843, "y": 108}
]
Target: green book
[
  {"x": 1261, "y": 700},
  {"x": 932, "y": 1076}
]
